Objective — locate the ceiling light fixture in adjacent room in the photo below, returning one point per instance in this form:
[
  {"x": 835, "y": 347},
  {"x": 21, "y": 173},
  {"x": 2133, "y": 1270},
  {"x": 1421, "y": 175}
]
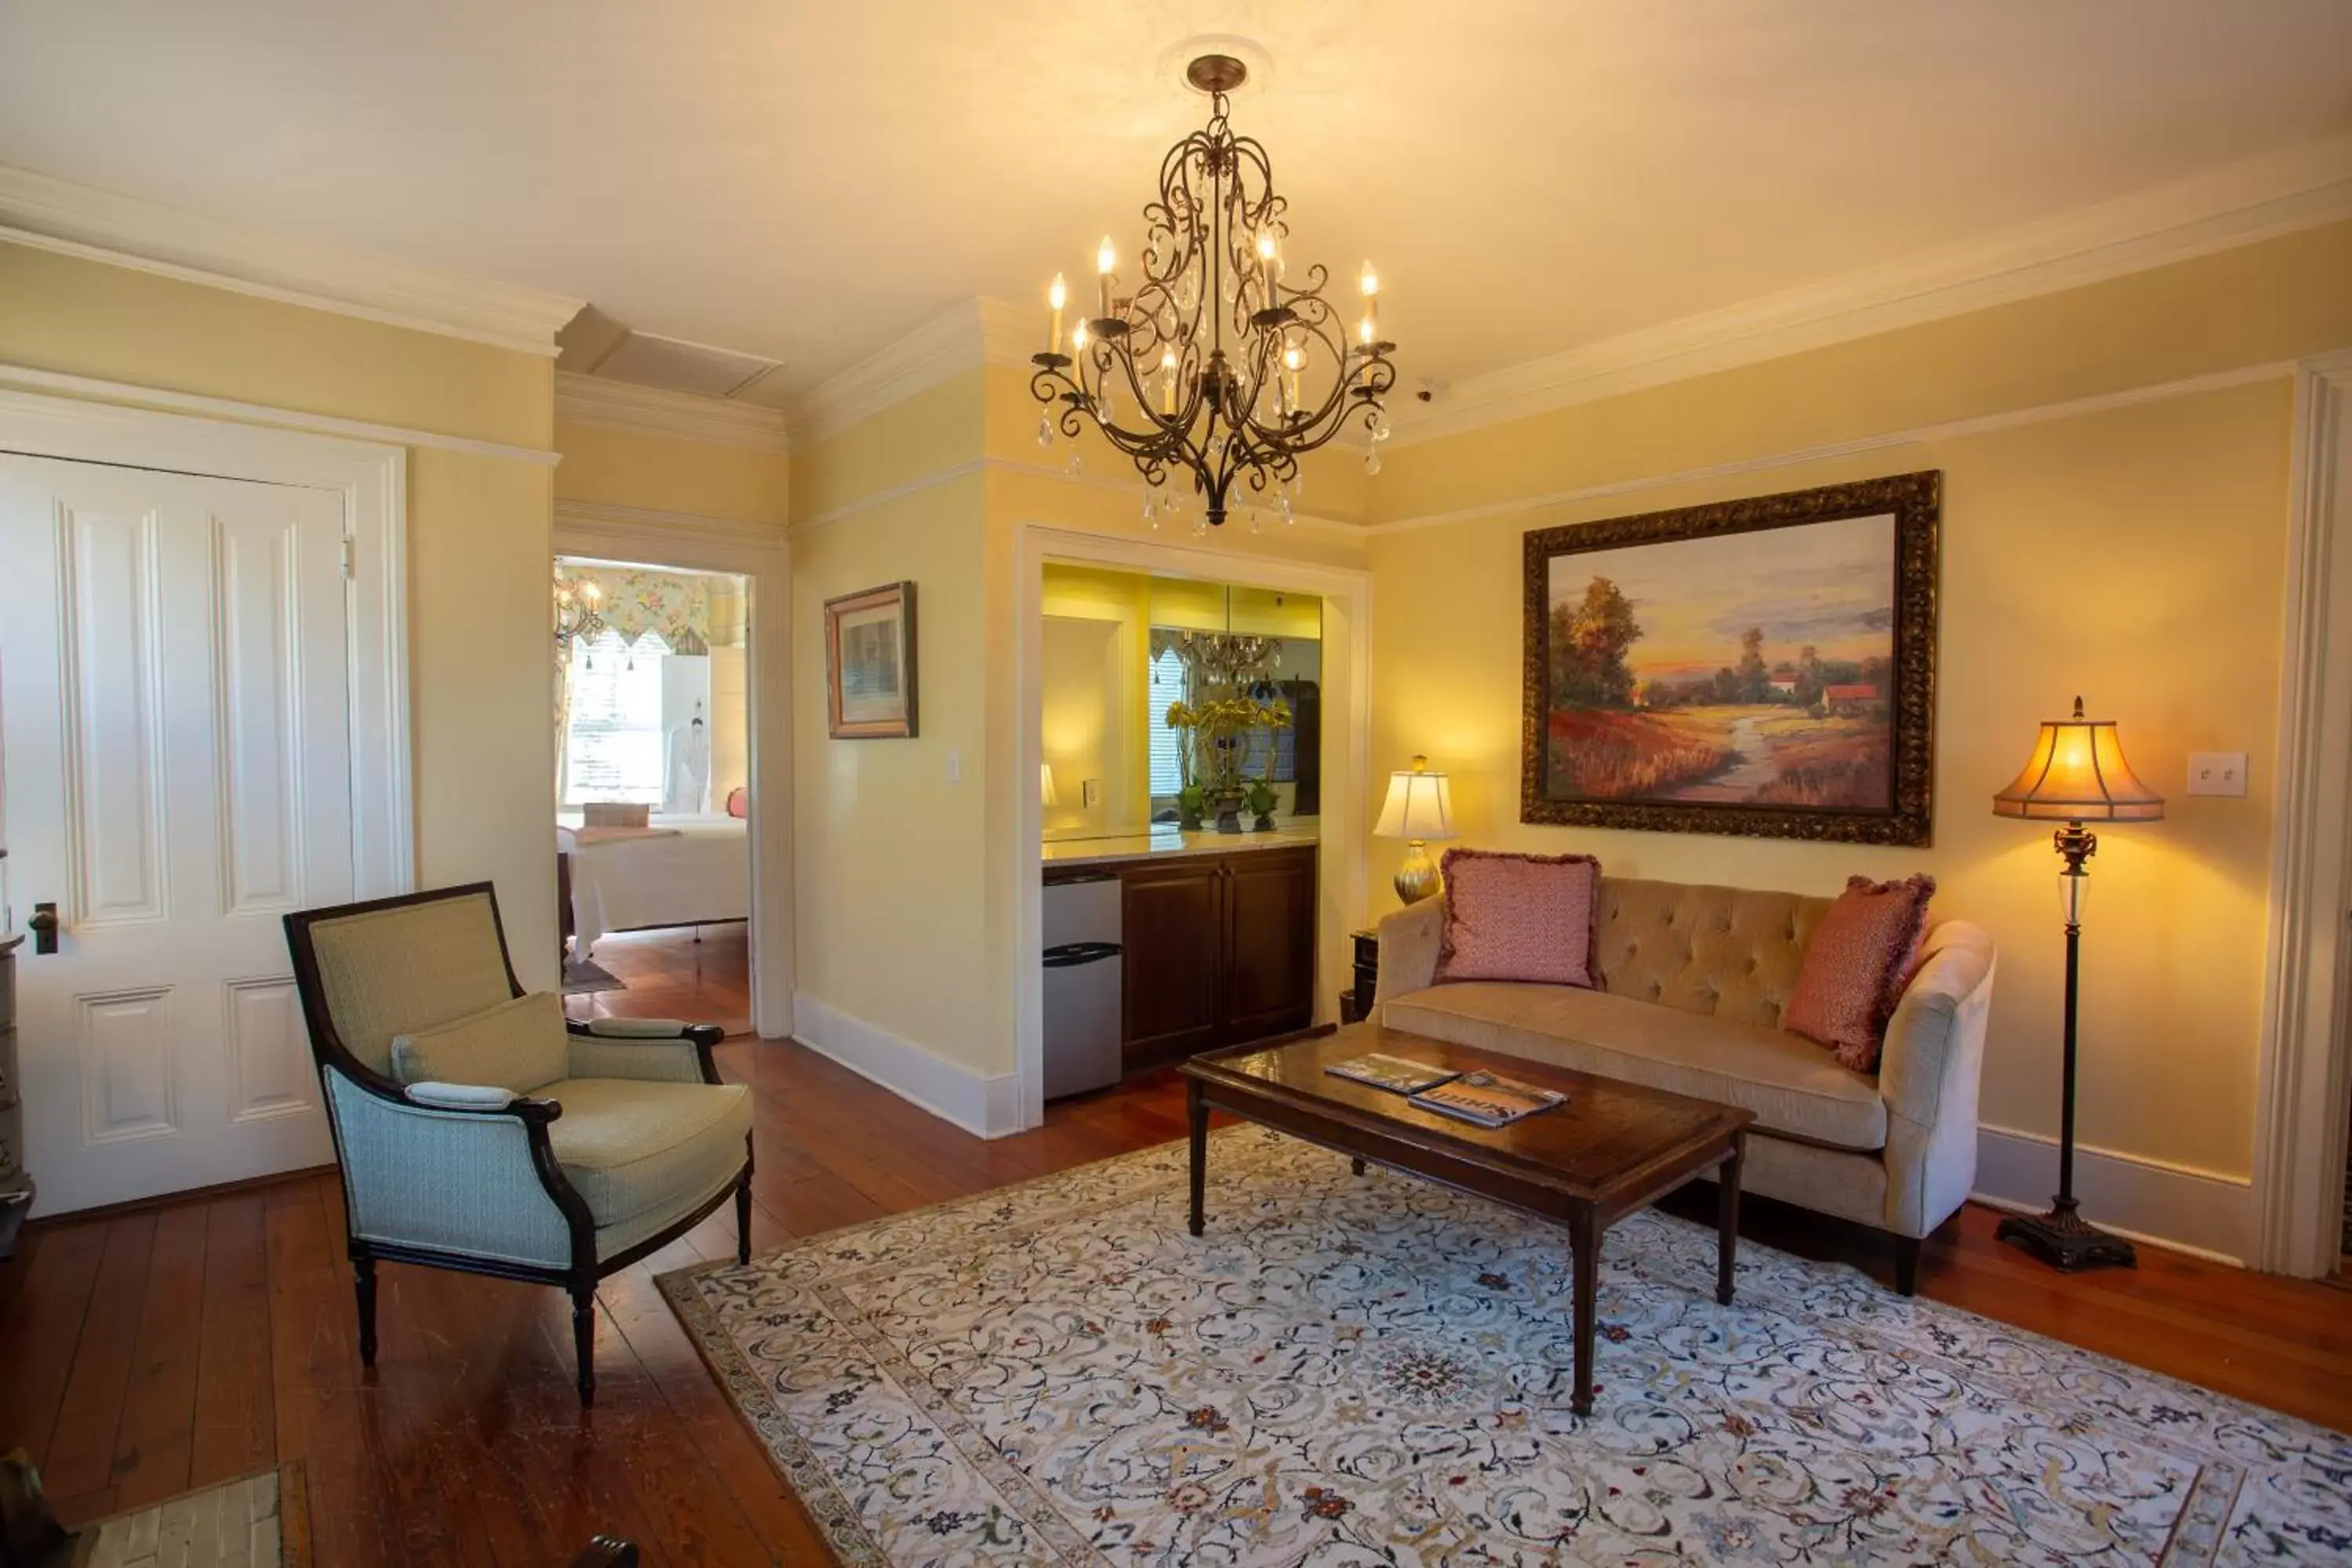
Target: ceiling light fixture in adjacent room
[{"x": 1215, "y": 365}]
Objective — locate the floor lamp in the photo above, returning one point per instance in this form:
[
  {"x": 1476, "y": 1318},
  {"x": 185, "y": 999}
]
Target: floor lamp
[{"x": 2077, "y": 774}]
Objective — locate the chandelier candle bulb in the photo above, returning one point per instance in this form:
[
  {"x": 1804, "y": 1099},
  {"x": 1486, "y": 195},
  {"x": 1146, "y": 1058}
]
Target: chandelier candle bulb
[
  {"x": 1105, "y": 259},
  {"x": 1266, "y": 267},
  {"x": 1057, "y": 296},
  {"x": 1369, "y": 282},
  {"x": 1168, "y": 382}
]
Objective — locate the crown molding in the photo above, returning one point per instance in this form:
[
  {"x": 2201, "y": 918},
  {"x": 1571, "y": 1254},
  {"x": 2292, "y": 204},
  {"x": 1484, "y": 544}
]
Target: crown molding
[
  {"x": 968, "y": 334},
  {"x": 595, "y": 400},
  {"x": 147, "y": 237},
  {"x": 1794, "y": 457},
  {"x": 101, "y": 394},
  {"x": 1306, "y": 522},
  {"x": 2301, "y": 188},
  {"x": 634, "y": 524}
]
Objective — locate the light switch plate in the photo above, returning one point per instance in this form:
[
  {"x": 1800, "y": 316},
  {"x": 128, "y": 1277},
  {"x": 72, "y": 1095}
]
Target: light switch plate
[
  {"x": 2217, "y": 772},
  {"x": 1090, "y": 793},
  {"x": 955, "y": 764}
]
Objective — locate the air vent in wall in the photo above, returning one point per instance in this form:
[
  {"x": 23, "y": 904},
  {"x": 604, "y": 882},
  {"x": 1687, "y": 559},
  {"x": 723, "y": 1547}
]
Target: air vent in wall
[{"x": 681, "y": 366}]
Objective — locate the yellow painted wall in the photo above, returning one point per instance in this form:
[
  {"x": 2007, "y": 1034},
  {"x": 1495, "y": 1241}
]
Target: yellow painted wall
[
  {"x": 655, "y": 473},
  {"x": 2135, "y": 555},
  {"x": 889, "y": 867},
  {"x": 478, "y": 527}
]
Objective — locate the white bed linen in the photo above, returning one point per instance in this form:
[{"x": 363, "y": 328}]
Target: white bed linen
[{"x": 699, "y": 872}]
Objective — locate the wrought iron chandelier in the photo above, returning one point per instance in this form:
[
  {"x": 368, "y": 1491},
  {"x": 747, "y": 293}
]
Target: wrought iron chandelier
[
  {"x": 1229, "y": 659},
  {"x": 1215, "y": 367}
]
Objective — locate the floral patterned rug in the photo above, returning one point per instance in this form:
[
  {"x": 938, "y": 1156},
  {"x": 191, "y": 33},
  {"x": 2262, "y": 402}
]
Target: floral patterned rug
[{"x": 1374, "y": 1370}]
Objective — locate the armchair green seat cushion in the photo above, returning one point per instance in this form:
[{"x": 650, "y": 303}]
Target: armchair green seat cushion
[
  {"x": 631, "y": 1147},
  {"x": 479, "y": 1129}
]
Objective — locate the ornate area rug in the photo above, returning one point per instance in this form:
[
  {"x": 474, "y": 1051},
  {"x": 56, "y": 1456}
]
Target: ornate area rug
[{"x": 1374, "y": 1370}]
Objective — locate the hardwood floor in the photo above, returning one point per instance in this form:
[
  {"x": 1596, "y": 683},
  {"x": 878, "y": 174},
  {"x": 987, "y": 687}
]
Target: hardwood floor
[
  {"x": 143, "y": 1353},
  {"x": 670, "y": 974}
]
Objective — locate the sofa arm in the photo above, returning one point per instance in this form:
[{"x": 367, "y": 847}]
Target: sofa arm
[
  {"x": 1929, "y": 1076},
  {"x": 1409, "y": 943}
]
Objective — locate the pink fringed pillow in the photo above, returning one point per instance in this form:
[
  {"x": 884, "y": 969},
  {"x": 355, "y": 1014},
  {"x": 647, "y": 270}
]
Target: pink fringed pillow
[
  {"x": 1518, "y": 917},
  {"x": 1856, "y": 966}
]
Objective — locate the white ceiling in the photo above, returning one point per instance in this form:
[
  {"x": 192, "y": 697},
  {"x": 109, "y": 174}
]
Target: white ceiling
[{"x": 808, "y": 182}]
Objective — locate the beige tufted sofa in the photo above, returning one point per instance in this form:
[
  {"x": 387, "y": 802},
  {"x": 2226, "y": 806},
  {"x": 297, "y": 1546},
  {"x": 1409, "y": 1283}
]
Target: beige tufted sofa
[{"x": 1695, "y": 978}]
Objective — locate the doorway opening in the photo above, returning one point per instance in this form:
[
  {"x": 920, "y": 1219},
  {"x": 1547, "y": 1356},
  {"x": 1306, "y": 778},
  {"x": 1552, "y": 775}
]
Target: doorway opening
[{"x": 652, "y": 791}]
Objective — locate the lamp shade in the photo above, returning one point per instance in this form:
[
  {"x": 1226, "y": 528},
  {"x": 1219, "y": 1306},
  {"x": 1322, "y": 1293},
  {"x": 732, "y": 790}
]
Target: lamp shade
[
  {"x": 2077, "y": 774},
  {"x": 1420, "y": 804},
  {"x": 1045, "y": 795}
]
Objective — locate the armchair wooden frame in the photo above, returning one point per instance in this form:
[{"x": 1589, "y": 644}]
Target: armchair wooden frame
[{"x": 586, "y": 1269}]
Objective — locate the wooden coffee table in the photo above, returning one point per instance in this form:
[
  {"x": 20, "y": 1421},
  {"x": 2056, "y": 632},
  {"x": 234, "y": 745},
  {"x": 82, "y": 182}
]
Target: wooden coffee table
[{"x": 1612, "y": 1149}]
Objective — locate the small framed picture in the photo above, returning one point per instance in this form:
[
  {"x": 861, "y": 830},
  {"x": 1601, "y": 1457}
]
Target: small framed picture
[{"x": 869, "y": 663}]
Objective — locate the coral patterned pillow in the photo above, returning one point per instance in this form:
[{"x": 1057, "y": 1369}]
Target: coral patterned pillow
[
  {"x": 1518, "y": 917},
  {"x": 1856, "y": 966}
]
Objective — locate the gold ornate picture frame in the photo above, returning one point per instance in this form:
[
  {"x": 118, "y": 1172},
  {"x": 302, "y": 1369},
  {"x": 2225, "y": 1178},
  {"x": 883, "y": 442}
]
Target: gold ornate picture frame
[
  {"x": 1764, "y": 667},
  {"x": 869, "y": 663}
]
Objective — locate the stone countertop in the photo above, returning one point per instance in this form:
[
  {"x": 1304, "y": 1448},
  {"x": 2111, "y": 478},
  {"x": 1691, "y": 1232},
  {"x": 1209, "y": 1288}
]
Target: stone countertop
[{"x": 1168, "y": 844}]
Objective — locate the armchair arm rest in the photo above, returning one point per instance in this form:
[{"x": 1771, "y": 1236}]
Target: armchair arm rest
[
  {"x": 479, "y": 1178},
  {"x": 460, "y": 1096},
  {"x": 657, "y": 1048},
  {"x": 1409, "y": 943}
]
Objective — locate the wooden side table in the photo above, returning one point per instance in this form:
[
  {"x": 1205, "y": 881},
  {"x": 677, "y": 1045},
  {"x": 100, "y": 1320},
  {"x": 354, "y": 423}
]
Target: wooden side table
[{"x": 1356, "y": 1002}]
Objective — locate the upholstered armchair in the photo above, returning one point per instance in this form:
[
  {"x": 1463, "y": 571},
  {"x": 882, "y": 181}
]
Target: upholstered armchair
[{"x": 479, "y": 1129}]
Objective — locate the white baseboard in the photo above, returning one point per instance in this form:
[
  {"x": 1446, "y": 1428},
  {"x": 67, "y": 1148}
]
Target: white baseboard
[
  {"x": 2165, "y": 1205},
  {"x": 989, "y": 1106}
]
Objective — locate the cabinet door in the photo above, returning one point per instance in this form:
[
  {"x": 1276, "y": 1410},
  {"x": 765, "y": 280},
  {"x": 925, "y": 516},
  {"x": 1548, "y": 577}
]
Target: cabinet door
[
  {"x": 1269, "y": 944},
  {"x": 1173, "y": 913}
]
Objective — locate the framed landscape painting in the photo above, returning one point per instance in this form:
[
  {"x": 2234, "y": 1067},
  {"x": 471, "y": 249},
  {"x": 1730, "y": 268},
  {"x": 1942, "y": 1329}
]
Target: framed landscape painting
[
  {"x": 1763, "y": 667},
  {"x": 869, "y": 663}
]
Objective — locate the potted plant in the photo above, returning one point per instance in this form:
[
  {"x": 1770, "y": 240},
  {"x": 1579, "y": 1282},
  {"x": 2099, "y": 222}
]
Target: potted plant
[
  {"x": 1262, "y": 800},
  {"x": 1215, "y": 727}
]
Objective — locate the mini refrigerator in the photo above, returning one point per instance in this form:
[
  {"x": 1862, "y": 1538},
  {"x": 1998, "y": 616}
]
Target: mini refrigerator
[{"x": 1084, "y": 998}]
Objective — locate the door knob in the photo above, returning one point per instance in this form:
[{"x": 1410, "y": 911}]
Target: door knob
[{"x": 44, "y": 927}]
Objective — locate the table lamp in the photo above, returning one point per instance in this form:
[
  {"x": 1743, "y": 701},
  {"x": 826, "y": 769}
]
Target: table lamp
[
  {"x": 1420, "y": 807},
  {"x": 2077, "y": 775}
]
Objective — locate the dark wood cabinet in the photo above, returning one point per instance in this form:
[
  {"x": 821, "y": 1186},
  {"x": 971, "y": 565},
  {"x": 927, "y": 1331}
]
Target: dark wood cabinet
[
  {"x": 1220, "y": 949},
  {"x": 1172, "y": 957}
]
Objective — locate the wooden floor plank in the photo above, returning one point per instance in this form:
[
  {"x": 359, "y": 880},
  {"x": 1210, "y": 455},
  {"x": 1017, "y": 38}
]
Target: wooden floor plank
[
  {"x": 235, "y": 1420},
  {"x": 469, "y": 1445},
  {"x": 154, "y": 1448},
  {"x": 79, "y": 1468},
  {"x": 58, "y": 1269}
]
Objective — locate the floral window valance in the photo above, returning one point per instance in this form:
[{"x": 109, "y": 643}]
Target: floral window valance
[{"x": 635, "y": 603}]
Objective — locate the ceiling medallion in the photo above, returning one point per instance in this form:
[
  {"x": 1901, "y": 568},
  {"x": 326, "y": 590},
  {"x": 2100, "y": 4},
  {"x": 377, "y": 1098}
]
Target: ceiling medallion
[{"x": 1214, "y": 367}]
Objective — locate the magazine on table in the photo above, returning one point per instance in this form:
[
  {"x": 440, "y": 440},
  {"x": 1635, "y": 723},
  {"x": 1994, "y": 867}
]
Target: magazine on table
[
  {"x": 1488, "y": 1100},
  {"x": 1398, "y": 1075}
]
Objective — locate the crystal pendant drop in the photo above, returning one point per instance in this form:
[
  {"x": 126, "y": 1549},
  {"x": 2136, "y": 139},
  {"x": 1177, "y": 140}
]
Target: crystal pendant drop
[
  {"x": 1150, "y": 505},
  {"x": 1373, "y": 462},
  {"x": 1045, "y": 430},
  {"x": 1076, "y": 465},
  {"x": 1381, "y": 429},
  {"x": 1257, "y": 520},
  {"x": 1200, "y": 528},
  {"x": 1289, "y": 509}
]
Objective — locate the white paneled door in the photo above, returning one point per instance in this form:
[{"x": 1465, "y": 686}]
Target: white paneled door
[{"x": 175, "y": 752}]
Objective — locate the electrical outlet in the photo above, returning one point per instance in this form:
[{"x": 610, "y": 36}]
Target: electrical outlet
[
  {"x": 2217, "y": 772},
  {"x": 1090, "y": 793}
]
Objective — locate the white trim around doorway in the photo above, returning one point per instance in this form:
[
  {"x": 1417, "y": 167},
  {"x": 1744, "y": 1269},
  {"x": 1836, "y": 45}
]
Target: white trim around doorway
[
  {"x": 1346, "y": 594},
  {"x": 2303, "y": 1092},
  {"x": 372, "y": 480},
  {"x": 761, "y": 555}
]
